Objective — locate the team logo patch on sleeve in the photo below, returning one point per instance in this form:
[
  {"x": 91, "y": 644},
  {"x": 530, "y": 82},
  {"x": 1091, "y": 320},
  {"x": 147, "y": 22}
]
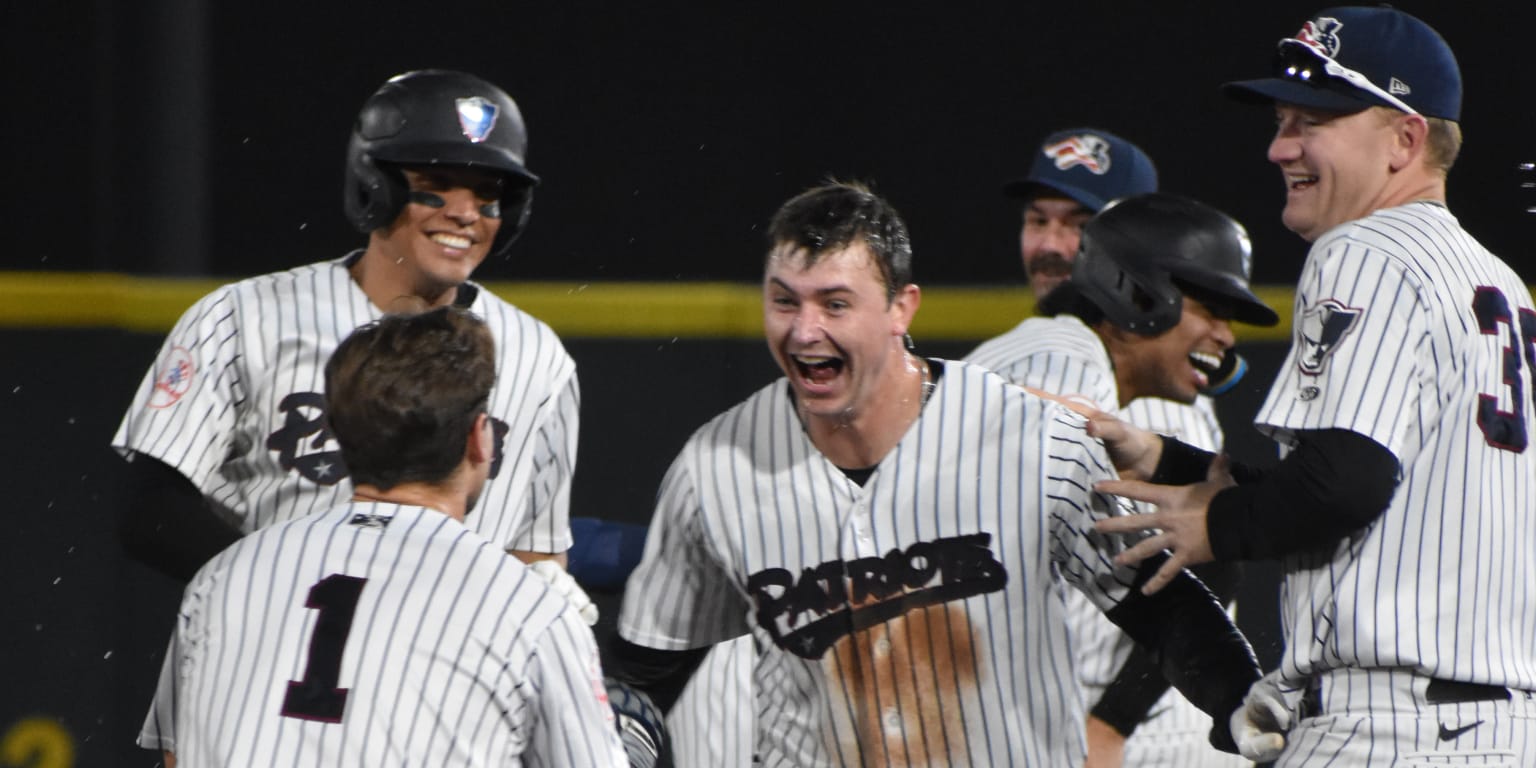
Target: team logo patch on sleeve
[
  {"x": 1321, "y": 330},
  {"x": 1086, "y": 150},
  {"x": 173, "y": 377}
]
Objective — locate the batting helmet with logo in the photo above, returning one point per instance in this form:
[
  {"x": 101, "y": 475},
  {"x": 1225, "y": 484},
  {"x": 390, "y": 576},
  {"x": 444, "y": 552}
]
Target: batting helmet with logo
[
  {"x": 436, "y": 117},
  {"x": 1140, "y": 256}
]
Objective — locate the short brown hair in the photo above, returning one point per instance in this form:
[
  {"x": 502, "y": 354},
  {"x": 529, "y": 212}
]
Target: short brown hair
[
  {"x": 403, "y": 394},
  {"x": 1444, "y": 143},
  {"x": 832, "y": 216}
]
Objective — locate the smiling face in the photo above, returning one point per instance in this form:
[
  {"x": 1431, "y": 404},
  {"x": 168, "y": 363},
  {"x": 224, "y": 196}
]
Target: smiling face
[
  {"x": 1337, "y": 167},
  {"x": 1175, "y": 364},
  {"x": 442, "y": 234},
  {"x": 1048, "y": 240},
  {"x": 833, "y": 331}
]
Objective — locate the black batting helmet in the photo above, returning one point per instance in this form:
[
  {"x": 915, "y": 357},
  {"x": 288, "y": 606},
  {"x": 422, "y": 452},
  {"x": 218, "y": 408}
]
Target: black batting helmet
[
  {"x": 1140, "y": 256},
  {"x": 436, "y": 117}
]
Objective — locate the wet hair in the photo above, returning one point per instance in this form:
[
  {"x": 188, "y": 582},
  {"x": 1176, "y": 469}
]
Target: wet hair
[
  {"x": 404, "y": 392},
  {"x": 828, "y": 218}
]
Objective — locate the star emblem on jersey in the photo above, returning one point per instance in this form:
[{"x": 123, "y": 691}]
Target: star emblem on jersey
[
  {"x": 837, "y": 598},
  {"x": 1086, "y": 150},
  {"x": 477, "y": 117},
  {"x": 1321, "y": 330},
  {"x": 1447, "y": 734}
]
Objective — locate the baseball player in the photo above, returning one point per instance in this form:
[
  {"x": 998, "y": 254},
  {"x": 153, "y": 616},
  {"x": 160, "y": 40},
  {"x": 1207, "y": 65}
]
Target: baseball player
[
  {"x": 1075, "y": 174},
  {"x": 890, "y": 530},
  {"x": 1145, "y": 318},
  {"x": 1403, "y": 505},
  {"x": 229, "y": 431},
  {"x": 384, "y": 630}
]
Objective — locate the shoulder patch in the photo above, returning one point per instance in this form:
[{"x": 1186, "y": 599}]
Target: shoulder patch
[
  {"x": 173, "y": 378},
  {"x": 1321, "y": 330}
]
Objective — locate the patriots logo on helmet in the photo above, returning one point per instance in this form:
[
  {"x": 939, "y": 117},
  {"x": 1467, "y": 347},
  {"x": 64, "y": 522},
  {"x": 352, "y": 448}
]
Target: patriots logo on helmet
[
  {"x": 1321, "y": 330},
  {"x": 1322, "y": 36},
  {"x": 477, "y": 117},
  {"x": 1086, "y": 150}
]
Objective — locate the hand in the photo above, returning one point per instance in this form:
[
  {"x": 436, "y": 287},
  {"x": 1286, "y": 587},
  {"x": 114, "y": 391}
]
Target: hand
[
  {"x": 1178, "y": 524},
  {"x": 565, "y": 585},
  {"x": 1106, "y": 746},
  {"x": 1259, "y": 726},
  {"x": 1134, "y": 451},
  {"x": 640, "y": 724}
]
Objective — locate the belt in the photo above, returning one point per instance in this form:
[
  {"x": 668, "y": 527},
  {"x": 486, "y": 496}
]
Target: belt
[{"x": 1438, "y": 692}]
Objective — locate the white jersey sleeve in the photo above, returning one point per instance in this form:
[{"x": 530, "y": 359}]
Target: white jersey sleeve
[{"x": 689, "y": 600}]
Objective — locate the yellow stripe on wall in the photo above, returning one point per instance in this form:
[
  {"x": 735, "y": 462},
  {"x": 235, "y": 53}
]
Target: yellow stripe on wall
[{"x": 574, "y": 310}]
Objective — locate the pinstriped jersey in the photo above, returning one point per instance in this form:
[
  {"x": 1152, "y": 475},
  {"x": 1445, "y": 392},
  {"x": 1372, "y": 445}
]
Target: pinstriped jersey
[
  {"x": 380, "y": 634},
  {"x": 711, "y": 723},
  {"x": 1062, "y": 355},
  {"x": 1410, "y": 333},
  {"x": 909, "y": 620},
  {"x": 235, "y": 402}
]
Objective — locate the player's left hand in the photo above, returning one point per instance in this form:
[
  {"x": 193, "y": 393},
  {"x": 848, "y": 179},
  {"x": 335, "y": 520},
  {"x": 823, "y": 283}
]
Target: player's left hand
[
  {"x": 565, "y": 585},
  {"x": 1178, "y": 525},
  {"x": 1259, "y": 726}
]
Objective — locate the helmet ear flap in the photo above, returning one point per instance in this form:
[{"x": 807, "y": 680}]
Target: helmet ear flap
[
  {"x": 373, "y": 195},
  {"x": 516, "y": 206}
]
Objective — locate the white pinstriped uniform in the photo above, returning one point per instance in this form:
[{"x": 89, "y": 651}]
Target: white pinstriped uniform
[
  {"x": 427, "y": 646},
  {"x": 755, "y": 530},
  {"x": 1410, "y": 333},
  {"x": 235, "y": 403},
  {"x": 711, "y": 724},
  {"x": 1064, "y": 356},
  {"x": 235, "y": 398}
]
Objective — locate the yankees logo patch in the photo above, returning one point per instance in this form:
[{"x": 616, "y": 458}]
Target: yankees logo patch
[
  {"x": 173, "y": 377},
  {"x": 1321, "y": 330},
  {"x": 1322, "y": 36},
  {"x": 1086, "y": 150},
  {"x": 837, "y": 598}
]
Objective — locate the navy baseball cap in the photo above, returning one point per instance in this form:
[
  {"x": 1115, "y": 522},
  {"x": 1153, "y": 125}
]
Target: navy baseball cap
[
  {"x": 1347, "y": 59},
  {"x": 1088, "y": 165}
]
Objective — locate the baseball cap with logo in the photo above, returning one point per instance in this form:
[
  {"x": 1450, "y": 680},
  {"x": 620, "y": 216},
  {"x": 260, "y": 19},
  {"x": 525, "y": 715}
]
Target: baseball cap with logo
[
  {"x": 1350, "y": 58},
  {"x": 1088, "y": 165}
]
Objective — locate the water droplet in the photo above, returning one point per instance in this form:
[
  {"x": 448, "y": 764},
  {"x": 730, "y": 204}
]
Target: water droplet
[
  {"x": 37, "y": 627},
  {"x": 303, "y": 225},
  {"x": 245, "y": 140},
  {"x": 69, "y": 551},
  {"x": 17, "y": 389},
  {"x": 107, "y": 655},
  {"x": 57, "y": 579},
  {"x": 69, "y": 420}
]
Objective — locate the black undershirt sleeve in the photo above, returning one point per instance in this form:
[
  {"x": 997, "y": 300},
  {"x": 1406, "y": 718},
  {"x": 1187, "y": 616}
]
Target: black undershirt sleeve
[
  {"x": 167, "y": 524},
  {"x": 1334, "y": 483},
  {"x": 1140, "y": 682},
  {"x": 1193, "y": 643},
  {"x": 660, "y": 674}
]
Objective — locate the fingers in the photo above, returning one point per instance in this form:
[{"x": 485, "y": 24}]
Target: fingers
[
  {"x": 1078, "y": 404},
  {"x": 564, "y": 584},
  {"x": 1139, "y": 490}
]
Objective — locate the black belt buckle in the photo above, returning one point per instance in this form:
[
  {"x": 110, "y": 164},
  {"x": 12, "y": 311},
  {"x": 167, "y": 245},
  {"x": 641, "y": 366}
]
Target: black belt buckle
[{"x": 1456, "y": 692}]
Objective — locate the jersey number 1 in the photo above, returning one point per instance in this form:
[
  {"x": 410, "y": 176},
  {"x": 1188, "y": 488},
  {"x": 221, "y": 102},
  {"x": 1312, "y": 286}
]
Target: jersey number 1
[
  {"x": 316, "y": 697},
  {"x": 1506, "y": 429}
]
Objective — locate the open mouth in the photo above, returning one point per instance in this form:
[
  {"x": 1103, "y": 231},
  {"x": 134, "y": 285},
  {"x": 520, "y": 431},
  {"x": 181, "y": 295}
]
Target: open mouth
[
  {"x": 450, "y": 240},
  {"x": 1297, "y": 182},
  {"x": 817, "y": 369},
  {"x": 1205, "y": 365}
]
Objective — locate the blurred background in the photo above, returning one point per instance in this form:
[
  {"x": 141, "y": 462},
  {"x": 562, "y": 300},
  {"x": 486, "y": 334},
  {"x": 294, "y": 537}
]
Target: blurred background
[{"x": 168, "y": 146}]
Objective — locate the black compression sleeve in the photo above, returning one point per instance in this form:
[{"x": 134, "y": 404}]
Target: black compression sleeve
[
  {"x": 1194, "y": 643},
  {"x": 167, "y": 524},
  {"x": 1140, "y": 683},
  {"x": 1181, "y": 463},
  {"x": 661, "y": 674},
  {"x": 1334, "y": 483}
]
